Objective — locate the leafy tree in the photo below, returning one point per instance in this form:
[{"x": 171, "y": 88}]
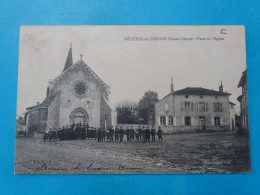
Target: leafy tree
[
  {"x": 127, "y": 112},
  {"x": 146, "y": 109}
]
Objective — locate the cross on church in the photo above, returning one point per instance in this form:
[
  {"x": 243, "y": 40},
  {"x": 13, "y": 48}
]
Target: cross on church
[{"x": 81, "y": 56}]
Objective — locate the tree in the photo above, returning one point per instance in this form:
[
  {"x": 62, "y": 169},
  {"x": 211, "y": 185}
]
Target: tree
[
  {"x": 127, "y": 112},
  {"x": 146, "y": 109}
]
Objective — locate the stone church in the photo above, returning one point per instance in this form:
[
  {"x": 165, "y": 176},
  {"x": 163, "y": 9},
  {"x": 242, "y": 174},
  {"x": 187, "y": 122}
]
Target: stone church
[{"x": 76, "y": 95}]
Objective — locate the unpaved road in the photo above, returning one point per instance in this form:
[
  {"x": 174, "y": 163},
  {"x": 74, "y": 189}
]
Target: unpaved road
[{"x": 178, "y": 153}]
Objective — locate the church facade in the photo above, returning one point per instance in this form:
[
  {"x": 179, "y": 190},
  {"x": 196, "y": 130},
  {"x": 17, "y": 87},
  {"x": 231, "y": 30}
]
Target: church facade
[{"x": 77, "y": 95}]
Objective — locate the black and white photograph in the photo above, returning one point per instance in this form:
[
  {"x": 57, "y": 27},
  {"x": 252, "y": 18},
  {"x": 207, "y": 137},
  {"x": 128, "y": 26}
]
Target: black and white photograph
[{"x": 132, "y": 100}]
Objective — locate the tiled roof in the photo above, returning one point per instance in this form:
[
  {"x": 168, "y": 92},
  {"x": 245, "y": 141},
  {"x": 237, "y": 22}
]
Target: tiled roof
[
  {"x": 46, "y": 102},
  {"x": 243, "y": 79},
  {"x": 199, "y": 91}
]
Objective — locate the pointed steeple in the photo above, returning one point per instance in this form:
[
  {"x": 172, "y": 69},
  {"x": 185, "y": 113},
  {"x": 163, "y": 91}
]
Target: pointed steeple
[
  {"x": 69, "y": 61},
  {"x": 172, "y": 89}
]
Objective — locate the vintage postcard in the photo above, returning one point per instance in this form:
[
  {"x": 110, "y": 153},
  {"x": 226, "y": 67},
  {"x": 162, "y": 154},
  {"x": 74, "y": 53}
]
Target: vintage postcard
[{"x": 132, "y": 100}]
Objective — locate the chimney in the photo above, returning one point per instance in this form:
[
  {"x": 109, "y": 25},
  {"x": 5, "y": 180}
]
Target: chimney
[
  {"x": 221, "y": 87},
  {"x": 48, "y": 91},
  {"x": 172, "y": 89},
  {"x": 38, "y": 103}
]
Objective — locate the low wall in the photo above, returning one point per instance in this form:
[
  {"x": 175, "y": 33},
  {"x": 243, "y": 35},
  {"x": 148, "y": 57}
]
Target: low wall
[
  {"x": 135, "y": 126},
  {"x": 191, "y": 129},
  {"x": 176, "y": 129}
]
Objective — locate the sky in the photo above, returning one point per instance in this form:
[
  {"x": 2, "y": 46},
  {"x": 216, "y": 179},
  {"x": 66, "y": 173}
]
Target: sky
[{"x": 189, "y": 54}]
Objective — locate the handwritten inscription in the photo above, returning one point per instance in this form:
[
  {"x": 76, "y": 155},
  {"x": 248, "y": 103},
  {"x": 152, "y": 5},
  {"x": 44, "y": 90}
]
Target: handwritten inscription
[{"x": 46, "y": 165}]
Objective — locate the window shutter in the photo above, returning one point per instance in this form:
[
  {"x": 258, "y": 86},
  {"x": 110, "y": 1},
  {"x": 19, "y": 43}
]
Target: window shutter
[
  {"x": 182, "y": 106},
  {"x": 206, "y": 107},
  {"x": 174, "y": 121},
  {"x": 182, "y": 121},
  {"x": 197, "y": 106},
  {"x": 159, "y": 121},
  {"x": 192, "y": 106},
  {"x": 191, "y": 120},
  {"x": 212, "y": 121},
  {"x": 166, "y": 121},
  {"x": 221, "y": 121}
]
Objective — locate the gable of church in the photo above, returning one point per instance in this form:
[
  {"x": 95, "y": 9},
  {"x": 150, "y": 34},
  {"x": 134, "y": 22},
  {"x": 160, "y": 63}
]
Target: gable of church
[{"x": 81, "y": 80}]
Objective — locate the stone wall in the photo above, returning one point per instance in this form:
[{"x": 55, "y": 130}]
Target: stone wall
[
  {"x": 53, "y": 112},
  {"x": 36, "y": 120},
  {"x": 42, "y": 119}
]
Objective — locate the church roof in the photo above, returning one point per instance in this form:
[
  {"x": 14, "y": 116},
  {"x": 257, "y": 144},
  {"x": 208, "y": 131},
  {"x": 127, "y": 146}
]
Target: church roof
[
  {"x": 83, "y": 64},
  {"x": 46, "y": 102},
  {"x": 69, "y": 61},
  {"x": 111, "y": 106},
  {"x": 198, "y": 91}
]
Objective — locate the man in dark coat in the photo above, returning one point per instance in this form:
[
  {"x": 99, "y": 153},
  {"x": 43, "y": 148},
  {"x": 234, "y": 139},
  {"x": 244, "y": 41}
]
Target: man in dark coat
[
  {"x": 99, "y": 135},
  {"x": 148, "y": 134},
  {"x": 127, "y": 134},
  {"x": 103, "y": 135},
  {"x": 153, "y": 133},
  {"x": 143, "y": 135},
  {"x": 132, "y": 134},
  {"x": 138, "y": 134},
  {"x": 121, "y": 134},
  {"x": 159, "y": 134},
  {"x": 116, "y": 134},
  {"x": 111, "y": 133},
  {"x": 95, "y": 133}
]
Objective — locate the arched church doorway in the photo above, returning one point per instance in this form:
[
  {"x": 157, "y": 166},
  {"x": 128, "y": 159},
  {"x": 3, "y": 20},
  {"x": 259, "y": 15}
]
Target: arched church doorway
[{"x": 79, "y": 115}]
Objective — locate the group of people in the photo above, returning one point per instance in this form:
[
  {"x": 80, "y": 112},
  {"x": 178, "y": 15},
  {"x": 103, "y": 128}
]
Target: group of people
[
  {"x": 141, "y": 134},
  {"x": 110, "y": 134}
]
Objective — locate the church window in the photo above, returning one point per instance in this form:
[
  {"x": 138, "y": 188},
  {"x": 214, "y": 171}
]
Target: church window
[{"x": 80, "y": 88}]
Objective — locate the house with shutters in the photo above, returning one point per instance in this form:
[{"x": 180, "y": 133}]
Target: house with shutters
[
  {"x": 192, "y": 109},
  {"x": 76, "y": 95}
]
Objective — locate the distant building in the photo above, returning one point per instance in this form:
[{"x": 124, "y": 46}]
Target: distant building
[
  {"x": 193, "y": 108},
  {"x": 232, "y": 116},
  {"x": 243, "y": 99},
  {"x": 77, "y": 95},
  {"x": 20, "y": 124}
]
